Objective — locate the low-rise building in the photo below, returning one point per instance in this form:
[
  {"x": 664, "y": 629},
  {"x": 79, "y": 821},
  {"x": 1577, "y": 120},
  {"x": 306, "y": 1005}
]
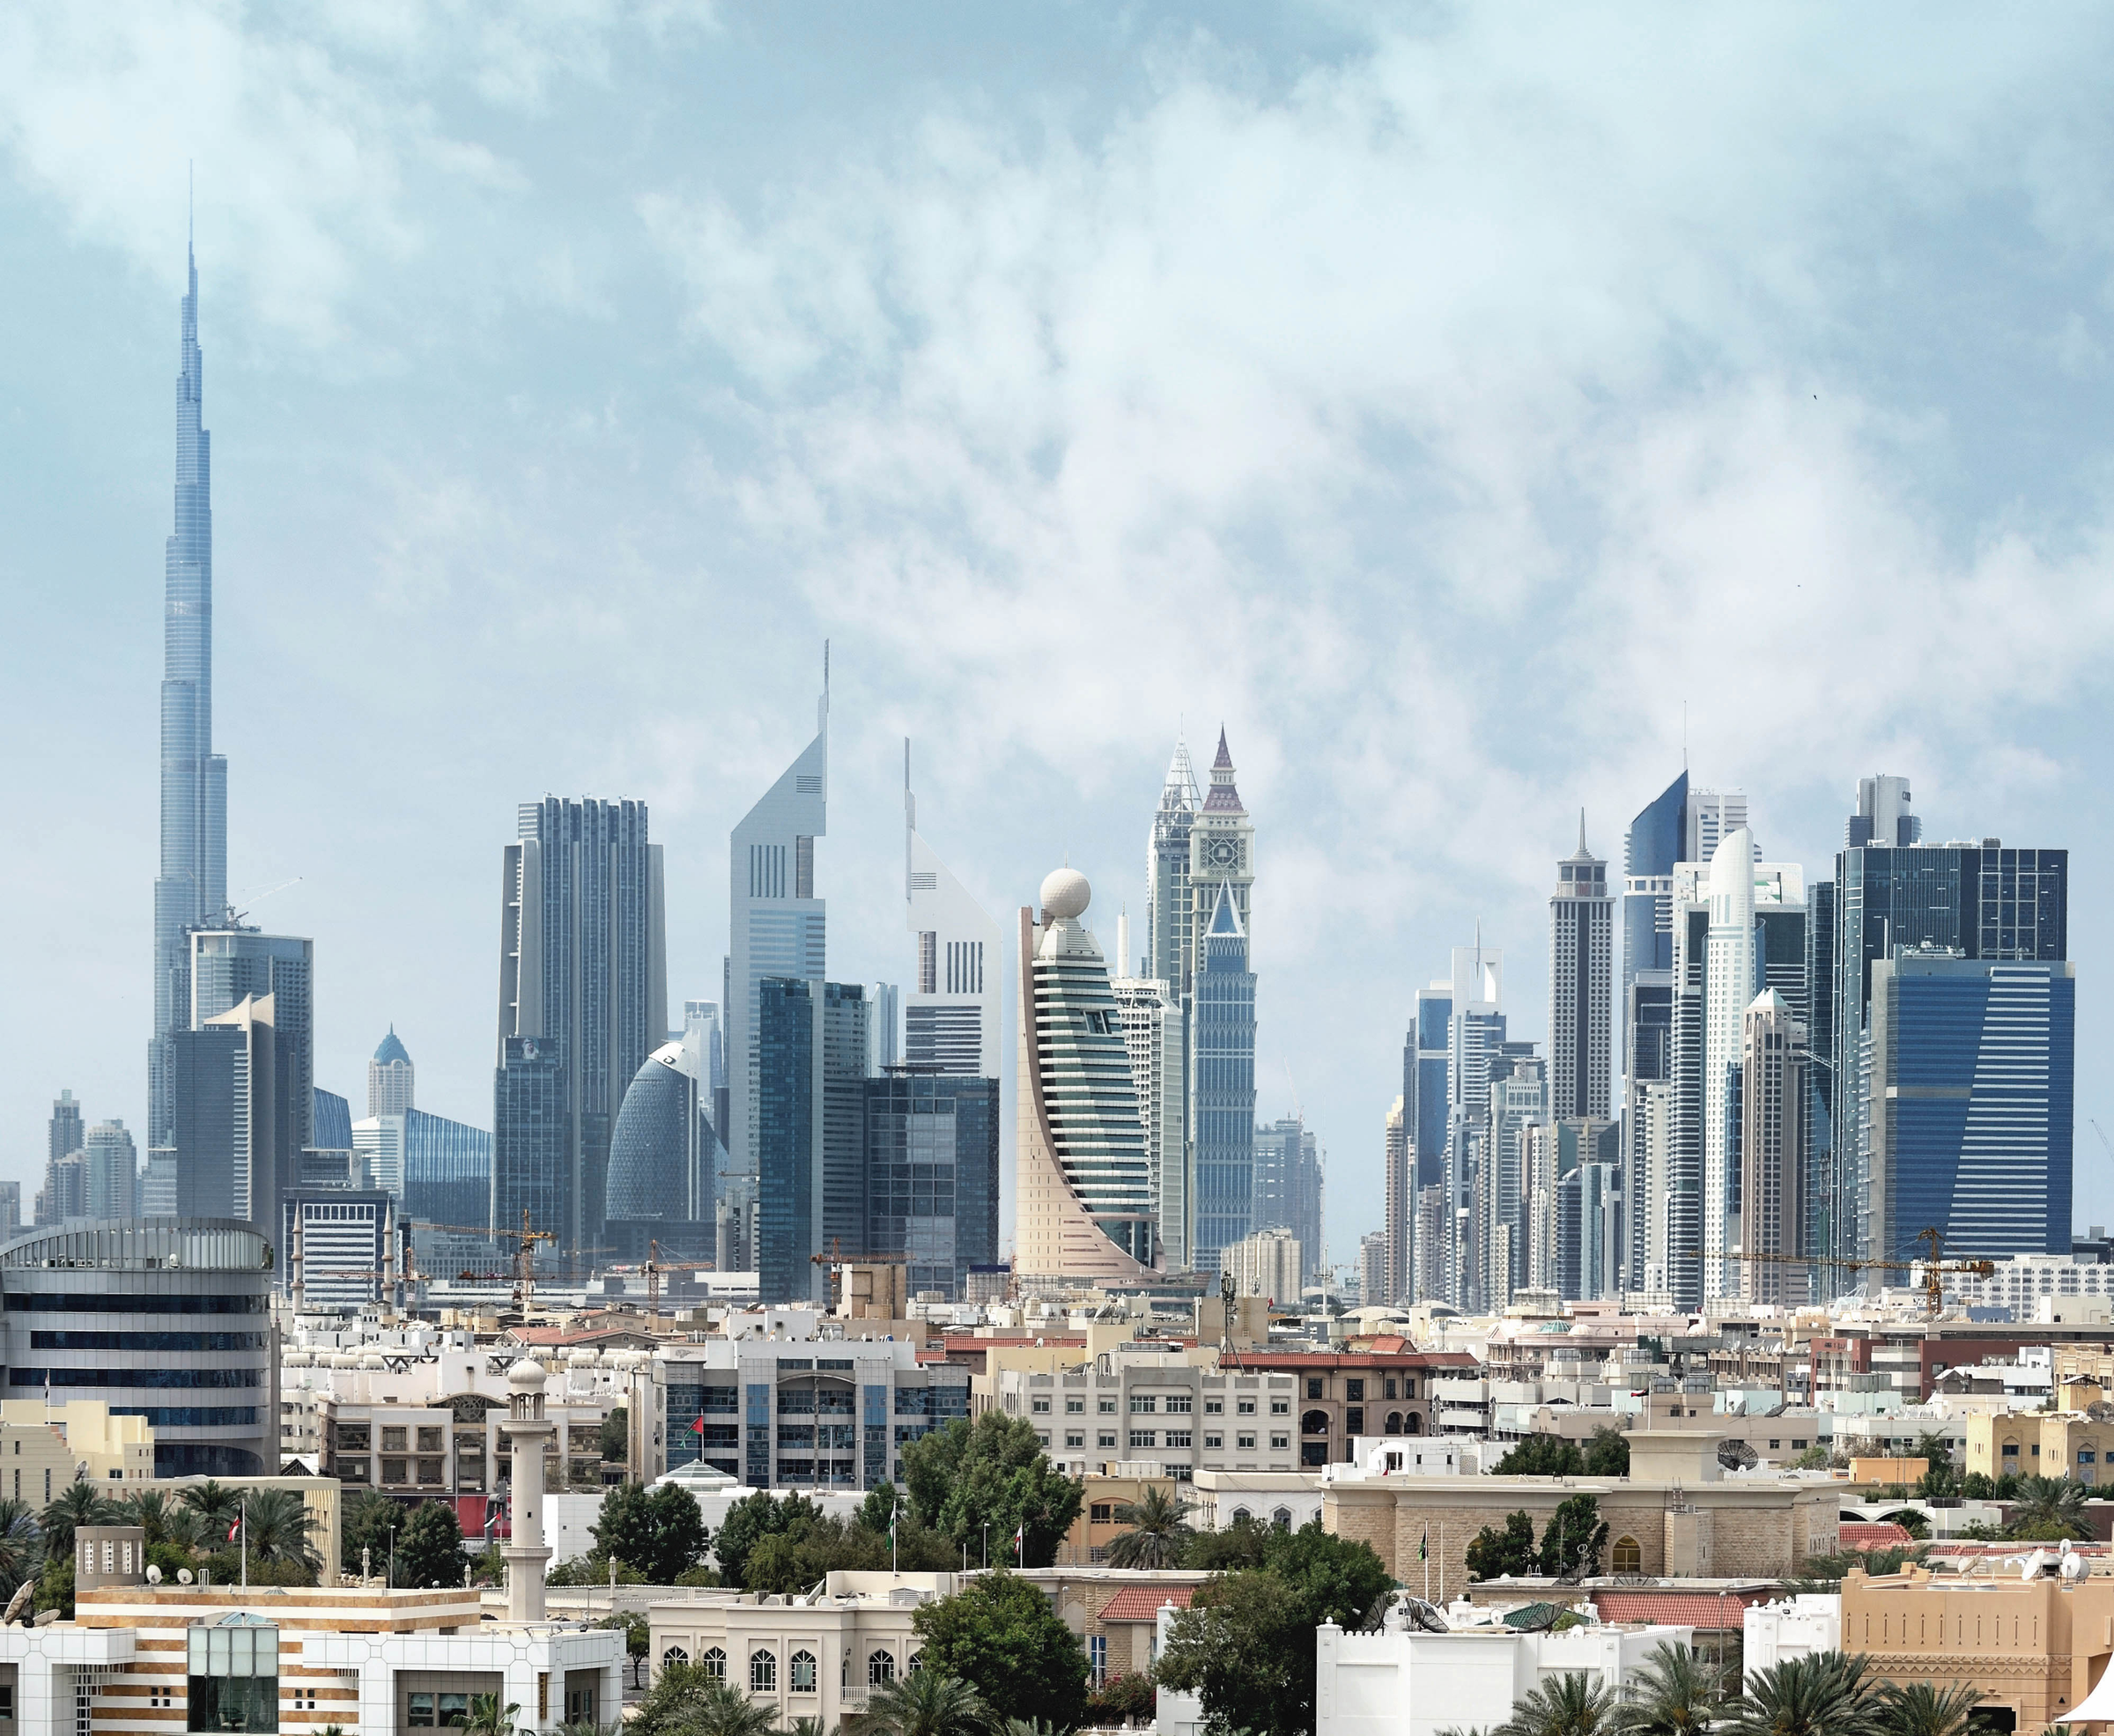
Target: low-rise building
[
  {"x": 1344, "y": 1393},
  {"x": 1156, "y": 1416},
  {"x": 104, "y": 1448},
  {"x": 1101, "y": 1516}
]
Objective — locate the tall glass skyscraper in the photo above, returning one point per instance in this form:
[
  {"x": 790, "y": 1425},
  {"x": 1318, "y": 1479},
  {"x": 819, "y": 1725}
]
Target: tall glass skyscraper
[
  {"x": 1223, "y": 1084},
  {"x": 192, "y": 887}
]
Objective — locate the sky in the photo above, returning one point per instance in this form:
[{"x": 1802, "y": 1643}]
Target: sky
[{"x": 1476, "y": 411}]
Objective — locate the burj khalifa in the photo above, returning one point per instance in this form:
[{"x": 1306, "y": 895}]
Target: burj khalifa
[{"x": 192, "y": 888}]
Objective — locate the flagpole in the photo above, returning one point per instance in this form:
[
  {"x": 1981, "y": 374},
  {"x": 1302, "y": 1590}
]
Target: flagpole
[{"x": 244, "y": 1523}]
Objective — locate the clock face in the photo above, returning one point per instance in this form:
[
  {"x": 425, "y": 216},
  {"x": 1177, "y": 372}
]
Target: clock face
[{"x": 1223, "y": 853}]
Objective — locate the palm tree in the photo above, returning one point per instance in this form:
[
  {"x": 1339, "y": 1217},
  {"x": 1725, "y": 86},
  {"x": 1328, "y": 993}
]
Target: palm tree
[
  {"x": 927, "y": 1703},
  {"x": 79, "y": 1504},
  {"x": 278, "y": 1526},
  {"x": 21, "y": 1546},
  {"x": 1676, "y": 1693},
  {"x": 1159, "y": 1531},
  {"x": 1571, "y": 1705},
  {"x": 215, "y": 1503},
  {"x": 150, "y": 1510},
  {"x": 1824, "y": 1694},
  {"x": 2049, "y": 1509},
  {"x": 686, "y": 1700},
  {"x": 1924, "y": 1709},
  {"x": 488, "y": 1717}
]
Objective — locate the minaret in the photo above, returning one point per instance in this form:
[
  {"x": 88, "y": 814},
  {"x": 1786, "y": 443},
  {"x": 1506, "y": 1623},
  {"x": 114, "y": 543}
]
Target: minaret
[
  {"x": 529, "y": 1432},
  {"x": 192, "y": 887}
]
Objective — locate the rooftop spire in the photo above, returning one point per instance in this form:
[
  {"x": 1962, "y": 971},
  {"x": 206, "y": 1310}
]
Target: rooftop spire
[
  {"x": 1179, "y": 792},
  {"x": 1224, "y": 798}
]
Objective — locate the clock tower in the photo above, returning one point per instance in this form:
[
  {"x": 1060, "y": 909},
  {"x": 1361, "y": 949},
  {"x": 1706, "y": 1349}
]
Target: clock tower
[{"x": 1221, "y": 848}]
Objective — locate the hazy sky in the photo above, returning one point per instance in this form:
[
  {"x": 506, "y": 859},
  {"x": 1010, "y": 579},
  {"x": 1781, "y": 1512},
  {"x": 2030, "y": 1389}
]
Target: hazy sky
[{"x": 1443, "y": 399}]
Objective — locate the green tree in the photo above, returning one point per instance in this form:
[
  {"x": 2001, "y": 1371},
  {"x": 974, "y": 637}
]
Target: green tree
[
  {"x": 1675, "y": 1694},
  {"x": 1544, "y": 1456},
  {"x": 752, "y": 1519},
  {"x": 1824, "y": 1694},
  {"x": 1575, "y": 1537},
  {"x": 965, "y": 1478},
  {"x": 2049, "y": 1509},
  {"x": 1000, "y": 1635},
  {"x": 365, "y": 1524},
  {"x": 55, "y": 1585},
  {"x": 1125, "y": 1698},
  {"x": 278, "y": 1523},
  {"x": 684, "y": 1701},
  {"x": 1608, "y": 1453},
  {"x": 148, "y": 1509},
  {"x": 429, "y": 1547},
  {"x": 637, "y": 1638},
  {"x": 488, "y": 1717},
  {"x": 1238, "y": 1647},
  {"x": 1338, "y": 1579},
  {"x": 1493, "y": 1554},
  {"x": 1571, "y": 1705},
  {"x": 79, "y": 1504},
  {"x": 1241, "y": 1544},
  {"x": 21, "y": 1547},
  {"x": 1158, "y": 1530},
  {"x": 615, "y": 1437},
  {"x": 927, "y": 1703},
  {"x": 1924, "y": 1709},
  {"x": 878, "y": 1510},
  {"x": 1814, "y": 1458},
  {"x": 662, "y": 1532},
  {"x": 214, "y": 1502}
]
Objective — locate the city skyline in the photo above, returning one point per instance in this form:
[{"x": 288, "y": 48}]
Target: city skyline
[{"x": 1400, "y": 809}]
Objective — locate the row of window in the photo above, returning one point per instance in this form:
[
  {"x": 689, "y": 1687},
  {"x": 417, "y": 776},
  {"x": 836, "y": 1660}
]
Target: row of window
[
  {"x": 801, "y": 1670},
  {"x": 1175, "y": 1437},
  {"x": 1150, "y": 1404}
]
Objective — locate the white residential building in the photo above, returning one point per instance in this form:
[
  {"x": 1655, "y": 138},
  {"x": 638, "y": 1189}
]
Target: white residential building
[{"x": 1266, "y": 1264}]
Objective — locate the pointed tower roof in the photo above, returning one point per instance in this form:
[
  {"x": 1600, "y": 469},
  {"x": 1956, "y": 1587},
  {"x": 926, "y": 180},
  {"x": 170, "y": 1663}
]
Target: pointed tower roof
[
  {"x": 1224, "y": 798},
  {"x": 1767, "y": 1002},
  {"x": 1582, "y": 854},
  {"x": 391, "y": 1049},
  {"x": 1179, "y": 793},
  {"x": 1226, "y": 920}
]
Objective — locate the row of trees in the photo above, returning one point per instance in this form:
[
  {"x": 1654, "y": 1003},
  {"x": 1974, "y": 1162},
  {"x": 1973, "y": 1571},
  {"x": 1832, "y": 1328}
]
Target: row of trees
[
  {"x": 1571, "y": 1544},
  {"x": 1679, "y": 1693}
]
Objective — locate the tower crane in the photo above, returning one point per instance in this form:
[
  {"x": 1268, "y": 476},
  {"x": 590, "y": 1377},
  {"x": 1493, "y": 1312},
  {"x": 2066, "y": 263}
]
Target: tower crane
[{"x": 1935, "y": 1269}]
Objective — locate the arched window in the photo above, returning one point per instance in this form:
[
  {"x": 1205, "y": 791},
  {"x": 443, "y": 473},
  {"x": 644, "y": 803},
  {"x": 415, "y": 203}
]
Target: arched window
[
  {"x": 1394, "y": 1423},
  {"x": 1314, "y": 1423},
  {"x": 880, "y": 1669},
  {"x": 1282, "y": 1517},
  {"x": 802, "y": 1672},
  {"x": 713, "y": 1663},
  {"x": 917, "y": 1663},
  {"x": 763, "y": 1673},
  {"x": 1626, "y": 1557},
  {"x": 1416, "y": 1423},
  {"x": 674, "y": 1655},
  {"x": 1242, "y": 1515}
]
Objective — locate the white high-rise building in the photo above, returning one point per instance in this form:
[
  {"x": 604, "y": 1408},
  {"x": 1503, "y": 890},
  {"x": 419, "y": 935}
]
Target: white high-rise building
[
  {"x": 776, "y": 924},
  {"x": 1268, "y": 1264},
  {"x": 1709, "y": 819},
  {"x": 1731, "y": 975},
  {"x": 1581, "y": 986},
  {"x": 950, "y": 1016},
  {"x": 1152, "y": 1036},
  {"x": 111, "y": 1181},
  {"x": 1085, "y": 1206},
  {"x": 391, "y": 1078},
  {"x": 1772, "y": 1152}
]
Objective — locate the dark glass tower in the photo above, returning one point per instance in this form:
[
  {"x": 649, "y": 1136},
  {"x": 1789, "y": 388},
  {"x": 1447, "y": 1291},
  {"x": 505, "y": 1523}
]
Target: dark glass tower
[
  {"x": 1223, "y": 1087},
  {"x": 192, "y": 887}
]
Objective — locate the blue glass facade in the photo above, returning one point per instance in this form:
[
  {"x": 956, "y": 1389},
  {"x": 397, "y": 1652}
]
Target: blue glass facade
[
  {"x": 1971, "y": 1096},
  {"x": 787, "y": 1182},
  {"x": 530, "y": 1125},
  {"x": 446, "y": 1169},
  {"x": 931, "y": 1183},
  {"x": 1223, "y": 1072},
  {"x": 1424, "y": 1086}
]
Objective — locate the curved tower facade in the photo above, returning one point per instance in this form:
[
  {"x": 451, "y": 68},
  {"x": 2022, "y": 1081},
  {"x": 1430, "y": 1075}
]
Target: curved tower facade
[
  {"x": 656, "y": 1156},
  {"x": 1084, "y": 1205},
  {"x": 1729, "y": 984},
  {"x": 192, "y": 887}
]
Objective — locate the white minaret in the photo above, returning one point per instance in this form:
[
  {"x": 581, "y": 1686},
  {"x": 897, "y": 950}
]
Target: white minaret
[{"x": 530, "y": 1433}]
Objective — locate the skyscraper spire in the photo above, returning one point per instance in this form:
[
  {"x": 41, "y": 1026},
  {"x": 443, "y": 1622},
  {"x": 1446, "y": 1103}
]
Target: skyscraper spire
[{"x": 192, "y": 887}]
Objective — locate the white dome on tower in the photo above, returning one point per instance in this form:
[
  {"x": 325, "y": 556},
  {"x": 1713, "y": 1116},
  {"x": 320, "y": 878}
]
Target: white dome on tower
[{"x": 1065, "y": 895}]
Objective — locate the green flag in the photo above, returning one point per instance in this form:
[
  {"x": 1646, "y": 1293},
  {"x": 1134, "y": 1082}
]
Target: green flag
[{"x": 1423, "y": 1551}]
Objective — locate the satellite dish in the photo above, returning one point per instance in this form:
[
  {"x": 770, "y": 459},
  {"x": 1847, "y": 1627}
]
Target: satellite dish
[
  {"x": 2076, "y": 1567},
  {"x": 1428, "y": 1617},
  {"x": 19, "y": 1602},
  {"x": 1737, "y": 1455},
  {"x": 183, "y": 1576},
  {"x": 2035, "y": 1562},
  {"x": 2099, "y": 1411},
  {"x": 1532, "y": 1617},
  {"x": 154, "y": 1574}
]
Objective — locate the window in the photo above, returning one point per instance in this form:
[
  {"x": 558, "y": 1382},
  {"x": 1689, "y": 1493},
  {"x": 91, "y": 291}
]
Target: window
[
  {"x": 1247, "y": 1442},
  {"x": 429, "y": 1440},
  {"x": 1313, "y": 1386},
  {"x": 1179, "y": 1437},
  {"x": 1105, "y": 1440},
  {"x": 393, "y": 1470},
  {"x": 1107, "y": 1406},
  {"x": 392, "y": 1440},
  {"x": 429, "y": 1470},
  {"x": 1043, "y": 1436},
  {"x": 234, "y": 1671},
  {"x": 580, "y": 1706},
  {"x": 1144, "y": 1404},
  {"x": 1353, "y": 1389},
  {"x": 1215, "y": 1407},
  {"x": 1354, "y": 1420},
  {"x": 1241, "y": 1514},
  {"x": 1280, "y": 1407},
  {"x": 1391, "y": 1394},
  {"x": 1282, "y": 1517},
  {"x": 763, "y": 1673},
  {"x": 1246, "y": 1407},
  {"x": 1314, "y": 1423},
  {"x": 713, "y": 1663},
  {"x": 2011, "y": 1449},
  {"x": 1278, "y": 1442},
  {"x": 2086, "y": 1456},
  {"x": 1074, "y": 1440},
  {"x": 1097, "y": 1657},
  {"x": 675, "y": 1657},
  {"x": 1394, "y": 1423},
  {"x": 427, "y": 1712},
  {"x": 1041, "y": 1406},
  {"x": 1073, "y": 1407},
  {"x": 1798, "y": 1446},
  {"x": 1180, "y": 1403},
  {"x": 1211, "y": 1441},
  {"x": 880, "y": 1669},
  {"x": 1626, "y": 1556},
  {"x": 1144, "y": 1437},
  {"x": 917, "y": 1662},
  {"x": 801, "y": 1671},
  {"x": 1102, "y": 1512}
]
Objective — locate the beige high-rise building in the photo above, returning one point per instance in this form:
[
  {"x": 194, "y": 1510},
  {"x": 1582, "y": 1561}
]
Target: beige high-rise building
[
  {"x": 1266, "y": 1264},
  {"x": 1772, "y": 1152},
  {"x": 1398, "y": 1228},
  {"x": 1083, "y": 1190}
]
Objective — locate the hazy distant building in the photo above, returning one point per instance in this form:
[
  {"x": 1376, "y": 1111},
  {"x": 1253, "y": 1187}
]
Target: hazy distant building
[
  {"x": 66, "y": 1131},
  {"x": 533, "y": 1170},
  {"x": 951, "y": 1018},
  {"x": 231, "y": 965},
  {"x": 1581, "y": 985},
  {"x": 1151, "y": 1018},
  {"x": 1269, "y": 1264},
  {"x": 1286, "y": 1190},
  {"x": 660, "y": 1186},
  {"x": 847, "y": 1065},
  {"x": 1732, "y": 974},
  {"x": 1397, "y": 1233},
  {"x": 932, "y": 1176},
  {"x": 11, "y": 1208},
  {"x": 110, "y": 1181},
  {"x": 1373, "y": 1267},
  {"x": 331, "y": 1119},
  {"x": 1085, "y": 1206},
  {"x": 583, "y": 971},
  {"x": 379, "y": 1140},
  {"x": 1772, "y": 1152},
  {"x": 791, "y": 1164},
  {"x": 390, "y": 1077},
  {"x": 343, "y": 1244},
  {"x": 1883, "y": 815},
  {"x": 447, "y": 1171},
  {"x": 1222, "y": 1083},
  {"x": 232, "y": 1136}
]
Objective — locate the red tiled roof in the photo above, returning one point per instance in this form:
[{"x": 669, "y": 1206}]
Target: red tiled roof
[
  {"x": 1708, "y": 1610},
  {"x": 1871, "y": 1535},
  {"x": 1142, "y": 1603}
]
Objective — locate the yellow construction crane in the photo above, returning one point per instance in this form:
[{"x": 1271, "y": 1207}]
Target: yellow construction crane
[{"x": 1935, "y": 1270}]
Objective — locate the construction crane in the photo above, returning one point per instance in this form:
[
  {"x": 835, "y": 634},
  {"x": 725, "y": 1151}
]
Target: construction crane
[{"x": 1935, "y": 1270}]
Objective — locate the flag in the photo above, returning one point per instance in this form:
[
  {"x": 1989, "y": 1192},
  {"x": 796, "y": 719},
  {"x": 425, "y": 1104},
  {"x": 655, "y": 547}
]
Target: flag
[
  {"x": 1424, "y": 1545},
  {"x": 697, "y": 1426},
  {"x": 1020, "y": 1543},
  {"x": 234, "y": 1529}
]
